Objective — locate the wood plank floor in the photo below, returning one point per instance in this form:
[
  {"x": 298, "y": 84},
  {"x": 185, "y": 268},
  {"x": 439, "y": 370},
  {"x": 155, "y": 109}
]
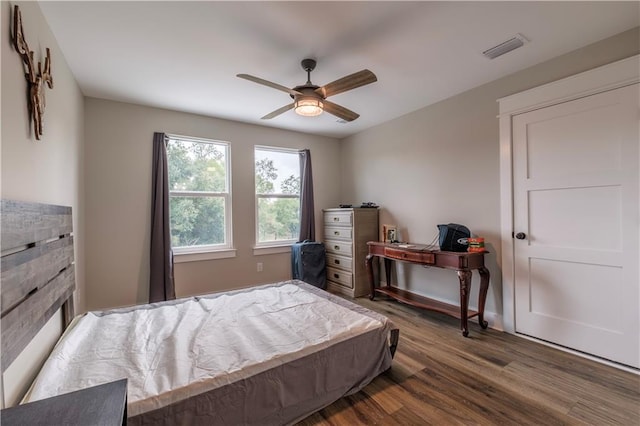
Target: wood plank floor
[{"x": 440, "y": 378}]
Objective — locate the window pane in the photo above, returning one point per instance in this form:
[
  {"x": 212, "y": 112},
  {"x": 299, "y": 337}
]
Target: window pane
[
  {"x": 277, "y": 172},
  {"x": 278, "y": 219},
  {"x": 196, "y": 166},
  {"x": 197, "y": 221}
]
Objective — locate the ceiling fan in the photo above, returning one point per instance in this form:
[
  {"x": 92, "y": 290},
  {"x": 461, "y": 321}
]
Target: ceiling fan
[{"x": 310, "y": 100}]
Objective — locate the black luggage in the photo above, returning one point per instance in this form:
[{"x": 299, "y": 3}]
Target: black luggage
[{"x": 308, "y": 263}]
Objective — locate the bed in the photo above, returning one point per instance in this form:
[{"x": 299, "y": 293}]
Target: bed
[{"x": 271, "y": 354}]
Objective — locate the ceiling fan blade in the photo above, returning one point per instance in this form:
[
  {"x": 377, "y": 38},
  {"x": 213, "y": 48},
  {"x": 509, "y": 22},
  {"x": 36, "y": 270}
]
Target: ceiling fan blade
[
  {"x": 339, "y": 111},
  {"x": 268, "y": 83},
  {"x": 277, "y": 112},
  {"x": 349, "y": 82}
]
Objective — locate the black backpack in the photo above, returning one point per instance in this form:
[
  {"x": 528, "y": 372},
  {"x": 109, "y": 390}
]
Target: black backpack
[{"x": 453, "y": 237}]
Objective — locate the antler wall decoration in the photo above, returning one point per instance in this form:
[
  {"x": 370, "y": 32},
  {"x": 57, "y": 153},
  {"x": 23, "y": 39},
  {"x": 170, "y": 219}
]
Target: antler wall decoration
[{"x": 35, "y": 80}]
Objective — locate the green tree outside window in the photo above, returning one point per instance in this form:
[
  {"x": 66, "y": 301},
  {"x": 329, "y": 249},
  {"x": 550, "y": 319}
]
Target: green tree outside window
[
  {"x": 198, "y": 192},
  {"x": 277, "y": 195}
]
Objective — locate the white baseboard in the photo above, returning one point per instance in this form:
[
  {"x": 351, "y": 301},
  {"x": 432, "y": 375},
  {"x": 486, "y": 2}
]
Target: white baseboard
[
  {"x": 581, "y": 354},
  {"x": 494, "y": 319}
]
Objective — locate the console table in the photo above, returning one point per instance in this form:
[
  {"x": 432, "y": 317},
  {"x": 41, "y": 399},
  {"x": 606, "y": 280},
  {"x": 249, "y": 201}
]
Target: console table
[{"x": 422, "y": 254}]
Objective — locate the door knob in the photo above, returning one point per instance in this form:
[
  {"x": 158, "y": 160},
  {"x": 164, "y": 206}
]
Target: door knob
[{"x": 521, "y": 235}]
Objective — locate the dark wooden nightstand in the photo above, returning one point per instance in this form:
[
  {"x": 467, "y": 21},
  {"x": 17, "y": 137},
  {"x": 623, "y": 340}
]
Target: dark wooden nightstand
[{"x": 104, "y": 405}]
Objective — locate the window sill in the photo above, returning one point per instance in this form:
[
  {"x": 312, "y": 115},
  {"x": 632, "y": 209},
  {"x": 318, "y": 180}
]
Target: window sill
[
  {"x": 262, "y": 250},
  {"x": 207, "y": 255}
]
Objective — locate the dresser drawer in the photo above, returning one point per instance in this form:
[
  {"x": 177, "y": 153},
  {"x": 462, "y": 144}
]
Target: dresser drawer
[
  {"x": 337, "y": 233},
  {"x": 340, "y": 262},
  {"x": 338, "y": 218},
  {"x": 343, "y": 278},
  {"x": 342, "y": 248},
  {"x": 409, "y": 256}
]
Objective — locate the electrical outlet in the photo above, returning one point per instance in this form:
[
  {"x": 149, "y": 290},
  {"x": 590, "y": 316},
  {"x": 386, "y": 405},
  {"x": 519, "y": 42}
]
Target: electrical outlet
[{"x": 259, "y": 266}]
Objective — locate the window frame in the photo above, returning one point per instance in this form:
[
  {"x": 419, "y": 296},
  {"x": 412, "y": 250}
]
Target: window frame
[
  {"x": 270, "y": 246},
  {"x": 208, "y": 251}
]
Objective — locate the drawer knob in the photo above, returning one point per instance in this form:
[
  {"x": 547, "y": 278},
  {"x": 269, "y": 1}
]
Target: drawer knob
[
  {"x": 336, "y": 232},
  {"x": 336, "y": 261},
  {"x": 336, "y": 219},
  {"x": 336, "y": 276},
  {"x": 336, "y": 247}
]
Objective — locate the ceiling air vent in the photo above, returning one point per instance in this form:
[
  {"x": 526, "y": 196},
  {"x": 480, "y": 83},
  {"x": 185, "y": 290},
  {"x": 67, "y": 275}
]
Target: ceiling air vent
[{"x": 517, "y": 41}]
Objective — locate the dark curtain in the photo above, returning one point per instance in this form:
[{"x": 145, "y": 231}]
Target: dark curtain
[
  {"x": 161, "y": 285},
  {"x": 307, "y": 217}
]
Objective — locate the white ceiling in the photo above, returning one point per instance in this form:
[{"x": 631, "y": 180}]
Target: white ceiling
[{"x": 185, "y": 55}]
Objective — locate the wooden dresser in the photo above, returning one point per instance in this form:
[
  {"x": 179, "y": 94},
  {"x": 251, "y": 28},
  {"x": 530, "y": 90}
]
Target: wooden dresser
[{"x": 346, "y": 232}]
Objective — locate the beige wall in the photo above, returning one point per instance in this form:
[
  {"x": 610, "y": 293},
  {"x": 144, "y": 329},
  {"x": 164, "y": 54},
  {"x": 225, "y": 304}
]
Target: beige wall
[
  {"x": 436, "y": 165},
  {"x": 440, "y": 164},
  {"x": 46, "y": 171},
  {"x": 118, "y": 179}
]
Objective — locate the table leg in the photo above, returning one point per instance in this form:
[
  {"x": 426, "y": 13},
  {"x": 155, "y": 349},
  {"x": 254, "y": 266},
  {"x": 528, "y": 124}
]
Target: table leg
[
  {"x": 465, "y": 289},
  {"x": 387, "y": 270},
  {"x": 368, "y": 263},
  {"x": 482, "y": 296}
]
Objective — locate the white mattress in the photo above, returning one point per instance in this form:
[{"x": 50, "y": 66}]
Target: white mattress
[{"x": 170, "y": 352}]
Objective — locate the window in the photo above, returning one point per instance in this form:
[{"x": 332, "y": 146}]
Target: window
[
  {"x": 199, "y": 194},
  {"x": 277, "y": 195}
]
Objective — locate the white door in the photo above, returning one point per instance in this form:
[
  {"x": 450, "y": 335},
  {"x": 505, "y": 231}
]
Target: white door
[{"x": 575, "y": 183}]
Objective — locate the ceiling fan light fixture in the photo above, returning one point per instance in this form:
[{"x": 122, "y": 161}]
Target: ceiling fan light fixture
[
  {"x": 310, "y": 100},
  {"x": 308, "y": 106}
]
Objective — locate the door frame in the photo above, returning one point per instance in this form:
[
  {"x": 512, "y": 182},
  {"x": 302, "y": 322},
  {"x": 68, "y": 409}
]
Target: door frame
[{"x": 604, "y": 78}]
